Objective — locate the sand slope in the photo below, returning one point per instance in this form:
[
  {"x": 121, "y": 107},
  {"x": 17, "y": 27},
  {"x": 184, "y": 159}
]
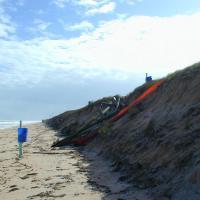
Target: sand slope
[{"x": 39, "y": 174}]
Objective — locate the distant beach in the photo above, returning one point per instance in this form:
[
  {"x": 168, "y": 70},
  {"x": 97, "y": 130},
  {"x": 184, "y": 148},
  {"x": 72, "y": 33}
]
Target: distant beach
[{"x": 12, "y": 123}]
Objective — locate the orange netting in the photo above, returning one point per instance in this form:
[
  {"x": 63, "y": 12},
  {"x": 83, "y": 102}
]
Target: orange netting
[{"x": 136, "y": 101}]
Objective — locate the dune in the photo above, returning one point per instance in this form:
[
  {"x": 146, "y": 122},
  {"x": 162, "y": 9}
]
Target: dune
[{"x": 155, "y": 142}]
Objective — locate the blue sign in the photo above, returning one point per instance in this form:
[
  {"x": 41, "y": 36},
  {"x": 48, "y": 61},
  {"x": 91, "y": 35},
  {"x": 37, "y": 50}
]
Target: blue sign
[
  {"x": 22, "y": 135},
  {"x": 148, "y": 78}
]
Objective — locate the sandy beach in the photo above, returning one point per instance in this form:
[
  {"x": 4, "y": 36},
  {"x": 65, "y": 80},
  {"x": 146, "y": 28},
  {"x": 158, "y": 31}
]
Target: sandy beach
[{"x": 66, "y": 173}]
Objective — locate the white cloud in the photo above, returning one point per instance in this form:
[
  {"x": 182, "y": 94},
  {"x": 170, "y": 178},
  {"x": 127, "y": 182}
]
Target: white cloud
[
  {"x": 41, "y": 25},
  {"x": 105, "y": 8},
  {"x": 87, "y": 2},
  {"x": 41, "y": 12},
  {"x": 82, "y": 26},
  {"x": 7, "y": 28},
  {"x": 60, "y": 3},
  {"x": 139, "y": 44},
  {"x": 91, "y": 3},
  {"x": 131, "y": 2},
  {"x": 20, "y": 2},
  {"x": 116, "y": 49},
  {"x": 92, "y": 6}
]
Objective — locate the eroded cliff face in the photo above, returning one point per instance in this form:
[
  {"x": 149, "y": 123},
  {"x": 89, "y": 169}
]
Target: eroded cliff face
[{"x": 157, "y": 144}]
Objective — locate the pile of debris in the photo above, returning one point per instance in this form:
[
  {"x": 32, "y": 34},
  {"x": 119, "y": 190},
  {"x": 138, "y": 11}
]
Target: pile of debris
[
  {"x": 109, "y": 111},
  {"x": 89, "y": 130}
]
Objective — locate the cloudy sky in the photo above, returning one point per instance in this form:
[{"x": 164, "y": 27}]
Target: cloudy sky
[{"x": 57, "y": 55}]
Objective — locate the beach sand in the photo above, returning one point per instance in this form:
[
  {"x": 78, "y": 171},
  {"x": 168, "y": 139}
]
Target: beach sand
[{"x": 66, "y": 173}]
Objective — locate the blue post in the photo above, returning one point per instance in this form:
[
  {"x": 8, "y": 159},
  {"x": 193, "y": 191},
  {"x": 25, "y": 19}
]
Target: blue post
[{"x": 148, "y": 78}]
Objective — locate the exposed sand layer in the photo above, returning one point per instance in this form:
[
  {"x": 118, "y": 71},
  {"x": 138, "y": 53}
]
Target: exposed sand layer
[{"x": 43, "y": 173}]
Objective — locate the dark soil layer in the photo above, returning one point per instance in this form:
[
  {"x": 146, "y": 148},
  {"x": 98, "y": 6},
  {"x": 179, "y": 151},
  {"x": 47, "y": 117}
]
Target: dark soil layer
[{"x": 157, "y": 144}]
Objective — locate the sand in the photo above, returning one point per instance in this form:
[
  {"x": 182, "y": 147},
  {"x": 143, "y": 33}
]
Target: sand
[{"x": 65, "y": 173}]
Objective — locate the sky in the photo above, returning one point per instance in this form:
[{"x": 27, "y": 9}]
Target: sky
[{"x": 56, "y": 55}]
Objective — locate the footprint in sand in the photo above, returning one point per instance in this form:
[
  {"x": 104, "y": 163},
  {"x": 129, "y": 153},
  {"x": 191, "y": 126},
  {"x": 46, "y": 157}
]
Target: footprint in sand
[
  {"x": 34, "y": 187},
  {"x": 48, "y": 179},
  {"x": 28, "y": 175},
  {"x": 67, "y": 178},
  {"x": 34, "y": 180},
  {"x": 46, "y": 194},
  {"x": 32, "y": 174},
  {"x": 59, "y": 186},
  {"x": 13, "y": 188}
]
